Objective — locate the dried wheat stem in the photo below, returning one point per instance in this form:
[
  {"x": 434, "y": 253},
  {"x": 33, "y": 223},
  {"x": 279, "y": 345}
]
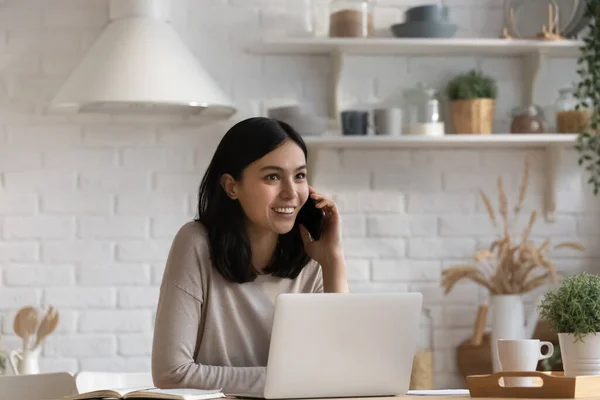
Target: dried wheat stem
[
  {"x": 529, "y": 227},
  {"x": 452, "y": 275},
  {"x": 552, "y": 270},
  {"x": 571, "y": 245},
  {"x": 482, "y": 255},
  {"x": 523, "y": 188},
  {"x": 488, "y": 207},
  {"x": 503, "y": 203}
]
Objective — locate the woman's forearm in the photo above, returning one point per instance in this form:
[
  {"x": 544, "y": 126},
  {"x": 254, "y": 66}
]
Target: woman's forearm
[{"x": 335, "y": 279}]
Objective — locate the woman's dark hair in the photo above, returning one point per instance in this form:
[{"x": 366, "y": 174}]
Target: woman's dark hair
[{"x": 223, "y": 217}]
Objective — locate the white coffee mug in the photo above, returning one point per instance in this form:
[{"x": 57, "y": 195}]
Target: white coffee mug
[
  {"x": 519, "y": 355},
  {"x": 387, "y": 121}
]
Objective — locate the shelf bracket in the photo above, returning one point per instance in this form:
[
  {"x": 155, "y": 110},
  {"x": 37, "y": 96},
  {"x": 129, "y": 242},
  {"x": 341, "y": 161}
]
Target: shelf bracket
[
  {"x": 552, "y": 161},
  {"x": 337, "y": 64},
  {"x": 533, "y": 64}
]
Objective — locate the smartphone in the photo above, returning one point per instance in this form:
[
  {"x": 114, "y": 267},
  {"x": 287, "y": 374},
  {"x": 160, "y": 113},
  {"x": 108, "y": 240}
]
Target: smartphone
[{"x": 312, "y": 218}]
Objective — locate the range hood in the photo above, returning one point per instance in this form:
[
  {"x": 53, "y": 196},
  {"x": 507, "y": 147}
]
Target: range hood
[{"x": 140, "y": 65}]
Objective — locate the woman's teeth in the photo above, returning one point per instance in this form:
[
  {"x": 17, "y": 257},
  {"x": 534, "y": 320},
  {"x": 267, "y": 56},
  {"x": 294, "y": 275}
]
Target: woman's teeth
[{"x": 282, "y": 210}]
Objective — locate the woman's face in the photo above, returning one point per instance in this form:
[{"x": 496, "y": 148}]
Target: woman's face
[{"x": 272, "y": 189}]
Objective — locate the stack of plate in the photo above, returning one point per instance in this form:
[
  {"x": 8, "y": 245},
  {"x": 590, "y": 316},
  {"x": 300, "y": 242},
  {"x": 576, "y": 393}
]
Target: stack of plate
[{"x": 427, "y": 21}]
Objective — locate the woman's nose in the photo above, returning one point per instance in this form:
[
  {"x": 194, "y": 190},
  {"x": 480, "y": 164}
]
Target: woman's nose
[{"x": 287, "y": 190}]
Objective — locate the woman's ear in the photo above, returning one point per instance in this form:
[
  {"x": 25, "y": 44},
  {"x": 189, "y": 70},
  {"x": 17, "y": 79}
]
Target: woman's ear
[{"x": 229, "y": 186}]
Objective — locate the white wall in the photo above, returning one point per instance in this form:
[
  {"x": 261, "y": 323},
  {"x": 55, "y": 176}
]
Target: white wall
[{"x": 89, "y": 204}]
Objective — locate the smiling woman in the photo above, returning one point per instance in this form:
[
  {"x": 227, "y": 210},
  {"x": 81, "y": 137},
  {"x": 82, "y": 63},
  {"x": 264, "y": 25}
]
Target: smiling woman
[
  {"x": 246, "y": 246},
  {"x": 258, "y": 173}
]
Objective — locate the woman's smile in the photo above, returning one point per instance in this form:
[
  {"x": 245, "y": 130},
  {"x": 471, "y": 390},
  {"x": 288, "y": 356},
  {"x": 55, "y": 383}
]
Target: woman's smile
[{"x": 285, "y": 212}]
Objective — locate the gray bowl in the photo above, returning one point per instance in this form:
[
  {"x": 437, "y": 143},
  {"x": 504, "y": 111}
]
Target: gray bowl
[
  {"x": 424, "y": 30},
  {"x": 428, "y": 12}
]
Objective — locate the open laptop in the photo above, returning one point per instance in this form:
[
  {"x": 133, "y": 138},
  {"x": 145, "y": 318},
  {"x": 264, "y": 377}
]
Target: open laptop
[{"x": 341, "y": 345}]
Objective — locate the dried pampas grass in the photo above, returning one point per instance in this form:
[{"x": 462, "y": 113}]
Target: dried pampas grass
[{"x": 508, "y": 266}]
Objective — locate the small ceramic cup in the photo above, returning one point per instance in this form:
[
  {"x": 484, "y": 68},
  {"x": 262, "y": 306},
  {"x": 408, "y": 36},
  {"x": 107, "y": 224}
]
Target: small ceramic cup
[
  {"x": 355, "y": 122},
  {"x": 521, "y": 355}
]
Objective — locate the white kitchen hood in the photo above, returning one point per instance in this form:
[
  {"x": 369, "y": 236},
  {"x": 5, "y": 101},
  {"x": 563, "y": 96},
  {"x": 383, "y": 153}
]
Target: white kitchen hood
[{"x": 139, "y": 64}]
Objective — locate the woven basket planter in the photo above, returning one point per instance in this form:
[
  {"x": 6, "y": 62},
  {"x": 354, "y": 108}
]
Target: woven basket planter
[{"x": 475, "y": 117}]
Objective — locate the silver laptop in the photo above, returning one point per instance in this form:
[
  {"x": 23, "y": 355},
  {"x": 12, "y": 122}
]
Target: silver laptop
[{"x": 341, "y": 345}]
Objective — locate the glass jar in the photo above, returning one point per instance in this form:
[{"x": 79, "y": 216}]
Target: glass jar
[
  {"x": 422, "y": 370},
  {"x": 422, "y": 112},
  {"x": 527, "y": 119},
  {"x": 351, "y": 18},
  {"x": 300, "y": 18},
  {"x": 568, "y": 118}
]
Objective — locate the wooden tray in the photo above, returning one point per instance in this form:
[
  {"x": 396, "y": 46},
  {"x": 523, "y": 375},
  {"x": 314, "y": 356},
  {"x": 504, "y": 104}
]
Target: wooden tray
[{"x": 553, "y": 385}]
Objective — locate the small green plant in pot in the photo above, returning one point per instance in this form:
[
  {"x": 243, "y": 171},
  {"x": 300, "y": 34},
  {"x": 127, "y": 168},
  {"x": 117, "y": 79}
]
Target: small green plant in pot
[
  {"x": 573, "y": 312},
  {"x": 472, "y": 98}
]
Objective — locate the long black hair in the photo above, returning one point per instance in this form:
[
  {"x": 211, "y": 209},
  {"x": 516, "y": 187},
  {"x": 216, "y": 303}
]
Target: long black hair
[{"x": 223, "y": 217}]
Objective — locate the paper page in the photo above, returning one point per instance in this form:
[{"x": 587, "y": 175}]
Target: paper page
[
  {"x": 183, "y": 391},
  {"x": 441, "y": 392},
  {"x": 124, "y": 391},
  {"x": 180, "y": 393},
  {"x": 119, "y": 392}
]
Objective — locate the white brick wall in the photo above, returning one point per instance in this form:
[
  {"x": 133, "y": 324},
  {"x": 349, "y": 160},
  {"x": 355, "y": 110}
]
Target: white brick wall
[{"x": 89, "y": 204}]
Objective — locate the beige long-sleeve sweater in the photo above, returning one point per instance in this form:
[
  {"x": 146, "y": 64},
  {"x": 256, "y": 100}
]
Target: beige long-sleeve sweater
[{"x": 212, "y": 333}]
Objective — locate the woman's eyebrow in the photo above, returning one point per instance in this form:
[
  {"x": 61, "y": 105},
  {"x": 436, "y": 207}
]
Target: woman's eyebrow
[{"x": 279, "y": 168}]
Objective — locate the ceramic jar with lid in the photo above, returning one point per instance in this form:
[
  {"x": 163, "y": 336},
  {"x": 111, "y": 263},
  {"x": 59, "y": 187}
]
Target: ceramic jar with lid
[
  {"x": 568, "y": 118},
  {"x": 527, "y": 119},
  {"x": 422, "y": 113},
  {"x": 351, "y": 18}
]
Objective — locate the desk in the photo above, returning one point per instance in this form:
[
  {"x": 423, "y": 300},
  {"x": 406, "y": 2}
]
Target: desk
[
  {"x": 445, "y": 397},
  {"x": 407, "y": 397},
  {"x": 411, "y": 397}
]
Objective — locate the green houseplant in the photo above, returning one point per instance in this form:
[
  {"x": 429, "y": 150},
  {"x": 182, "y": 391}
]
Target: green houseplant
[
  {"x": 472, "y": 98},
  {"x": 588, "y": 94},
  {"x": 573, "y": 312}
]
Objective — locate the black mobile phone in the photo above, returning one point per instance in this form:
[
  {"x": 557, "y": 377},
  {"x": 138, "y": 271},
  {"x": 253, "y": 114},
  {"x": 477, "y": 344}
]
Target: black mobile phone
[{"x": 312, "y": 218}]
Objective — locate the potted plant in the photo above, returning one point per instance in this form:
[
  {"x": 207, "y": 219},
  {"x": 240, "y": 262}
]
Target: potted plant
[
  {"x": 588, "y": 94},
  {"x": 573, "y": 312},
  {"x": 472, "y": 98},
  {"x": 512, "y": 266}
]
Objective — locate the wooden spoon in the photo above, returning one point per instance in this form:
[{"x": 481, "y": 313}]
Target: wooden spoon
[
  {"x": 47, "y": 326},
  {"x": 25, "y": 324}
]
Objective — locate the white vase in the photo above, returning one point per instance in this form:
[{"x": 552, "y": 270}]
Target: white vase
[
  {"x": 25, "y": 362},
  {"x": 581, "y": 357},
  {"x": 508, "y": 322}
]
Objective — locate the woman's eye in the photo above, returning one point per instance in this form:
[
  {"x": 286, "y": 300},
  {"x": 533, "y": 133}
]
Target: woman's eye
[
  {"x": 272, "y": 177},
  {"x": 301, "y": 175}
]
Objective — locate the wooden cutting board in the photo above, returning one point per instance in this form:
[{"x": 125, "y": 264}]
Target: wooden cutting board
[
  {"x": 474, "y": 359},
  {"x": 473, "y": 354}
]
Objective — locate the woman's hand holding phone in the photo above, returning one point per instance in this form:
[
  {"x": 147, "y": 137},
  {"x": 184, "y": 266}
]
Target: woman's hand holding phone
[{"x": 328, "y": 249}]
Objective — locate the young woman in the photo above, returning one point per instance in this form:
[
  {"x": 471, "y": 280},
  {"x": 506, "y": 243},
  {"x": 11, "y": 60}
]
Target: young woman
[{"x": 226, "y": 268}]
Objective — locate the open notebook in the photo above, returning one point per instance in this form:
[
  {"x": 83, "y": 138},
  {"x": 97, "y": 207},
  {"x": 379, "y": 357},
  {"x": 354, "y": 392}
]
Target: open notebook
[{"x": 150, "y": 393}]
